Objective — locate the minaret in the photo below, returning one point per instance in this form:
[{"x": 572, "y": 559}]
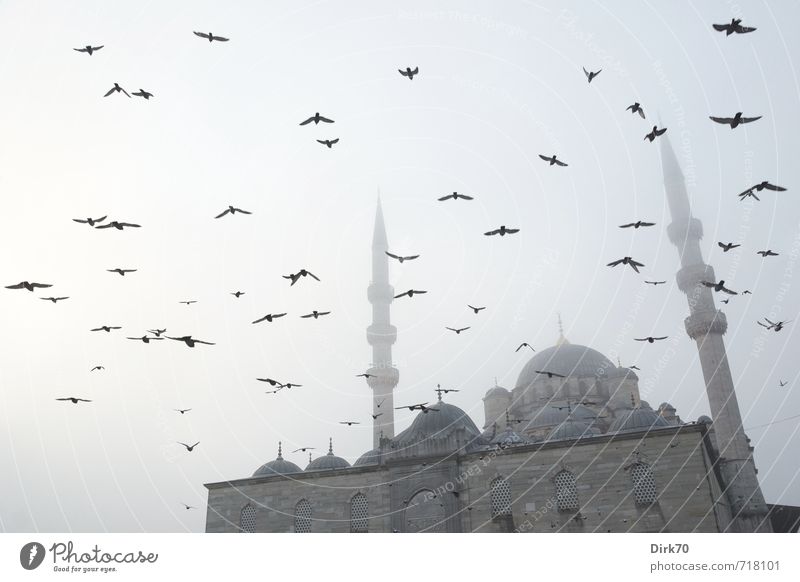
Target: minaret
[
  {"x": 706, "y": 325},
  {"x": 381, "y": 335}
]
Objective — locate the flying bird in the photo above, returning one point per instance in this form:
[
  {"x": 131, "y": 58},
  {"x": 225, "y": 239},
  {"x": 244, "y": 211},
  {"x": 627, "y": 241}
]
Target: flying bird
[
  {"x": 626, "y": 261},
  {"x": 157, "y": 332},
  {"x": 650, "y": 339},
  {"x": 211, "y": 37},
  {"x": 89, "y": 49},
  {"x": 402, "y": 258},
  {"x": 146, "y": 339},
  {"x": 90, "y": 221},
  {"x": 502, "y": 231},
  {"x": 289, "y": 385},
  {"x": 28, "y": 286},
  {"x": 328, "y": 142},
  {"x": 116, "y": 89},
  {"x": 231, "y": 210},
  {"x": 655, "y": 133},
  {"x": 636, "y": 108},
  {"x": 315, "y": 314},
  {"x": 734, "y": 26},
  {"x": 734, "y": 121},
  {"x": 316, "y": 118},
  {"x": 378, "y": 404},
  {"x": 53, "y": 299},
  {"x": 349, "y": 422},
  {"x": 553, "y": 160},
  {"x": 303, "y": 449},
  {"x": 189, "y": 302},
  {"x": 774, "y": 325},
  {"x": 423, "y": 407},
  {"x": 475, "y": 309},
  {"x": 73, "y": 399},
  {"x": 189, "y": 340},
  {"x": 409, "y": 73},
  {"x": 238, "y": 294},
  {"x": 269, "y": 317},
  {"x": 767, "y": 253},
  {"x": 455, "y": 196},
  {"x": 118, "y": 225},
  {"x": 106, "y": 328},
  {"x": 188, "y": 506},
  {"x": 410, "y": 293},
  {"x": 782, "y": 383},
  {"x": 747, "y": 292},
  {"x": 121, "y": 271},
  {"x": 727, "y": 246},
  {"x": 189, "y": 448},
  {"x": 365, "y": 375},
  {"x": 375, "y": 416},
  {"x": 726, "y": 301},
  {"x": 655, "y": 282},
  {"x": 182, "y": 410},
  {"x": 638, "y": 224},
  {"x": 143, "y": 93},
  {"x": 97, "y": 368},
  {"x": 301, "y": 273},
  {"x": 457, "y": 330},
  {"x": 524, "y": 345},
  {"x": 591, "y": 74},
  {"x": 549, "y": 374},
  {"x": 718, "y": 286},
  {"x": 270, "y": 381}
]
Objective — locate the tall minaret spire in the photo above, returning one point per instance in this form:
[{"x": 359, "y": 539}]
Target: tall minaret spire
[
  {"x": 706, "y": 325},
  {"x": 381, "y": 334}
]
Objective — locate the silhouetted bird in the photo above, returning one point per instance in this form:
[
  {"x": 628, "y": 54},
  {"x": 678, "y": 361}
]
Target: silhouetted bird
[
  {"x": 502, "y": 231},
  {"x": 726, "y": 301},
  {"x": 182, "y": 410},
  {"x": 301, "y": 273},
  {"x": 650, "y": 339},
  {"x": 106, "y": 328},
  {"x": 349, "y": 422},
  {"x": 746, "y": 292},
  {"x": 455, "y": 196},
  {"x": 655, "y": 133},
  {"x": 116, "y": 89},
  {"x": 238, "y": 294},
  {"x": 475, "y": 309},
  {"x": 269, "y": 317},
  {"x": 637, "y": 224},
  {"x": 774, "y": 325},
  {"x": 410, "y": 293},
  {"x": 146, "y": 339},
  {"x": 270, "y": 381},
  {"x": 53, "y": 299},
  {"x": 189, "y": 302},
  {"x": 767, "y": 253},
  {"x": 303, "y": 449},
  {"x": 727, "y": 246},
  {"x": 289, "y": 385},
  {"x": 315, "y": 314},
  {"x": 28, "y": 286},
  {"x": 189, "y": 448},
  {"x": 553, "y": 160},
  {"x": 90, "y": 221},
  {"x": 409, "y": 73},
  {"x": 550, "y": 374},
  {"x": 626, "y": 261},
  {"x": 143, "y": 93},
  {"x": 188, "y": 506},
  {"x": 316, "y": 118},
  {"x": 189, "y": 340},
  {"x": 734, "y": 121},
  {"x": 378, "y": 404},
  {"x": 157, "y": 332},
  {"x": 73, "y": 399},
  {"x": 374, "y": 416},
  {"x": 655, "y": 282},
  {"x": 231, "y": 210},
  {"x": 591, "y": 74},
  {"x": 328, "y": 142},
  {"x": 765, "y": 185},
  {"x": 636, "y": 108},
  {"x": 718, "y": 286},
  {"x": 423, "y": 407},
  {"x": 457, "y": 330},
  {"x": 118, "y": 225},
  {"x": 89, "y": 49},
  {"x": 211, "y": 37},
  {"x": 735, "y": 26},
  {"x": 97, "y": 368},
  {"x": 782, "y": 383},
  {"x": 121, "y": 271},
  {"x": 524, "y": 345},
  {"x": 365, "y": 375},
  {"x": 402, "y": 259}
]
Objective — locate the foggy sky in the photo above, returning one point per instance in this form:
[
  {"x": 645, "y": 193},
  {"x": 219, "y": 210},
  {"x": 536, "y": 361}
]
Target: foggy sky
[{"x": 499, "y": 83}]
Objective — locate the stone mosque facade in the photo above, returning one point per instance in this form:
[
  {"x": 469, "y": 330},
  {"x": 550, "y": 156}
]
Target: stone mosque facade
[{"x": 578, "y": 451}]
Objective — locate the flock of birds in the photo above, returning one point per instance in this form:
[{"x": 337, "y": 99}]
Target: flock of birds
[{"x": 156, "y": 334}]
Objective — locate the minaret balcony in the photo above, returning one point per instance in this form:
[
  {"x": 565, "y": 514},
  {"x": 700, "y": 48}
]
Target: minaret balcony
[{"x": 702, "y": 323}]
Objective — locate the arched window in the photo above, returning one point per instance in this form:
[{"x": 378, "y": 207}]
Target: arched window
[
  {"x": 500, "y": 497},
  {"x": 566, "y": 491},
  {"x": 644, "y": 486},
  {"x": 247, "y": 519},
  {"x": 425, "y": 513},
  {"x": 359, "y": 512},
  {"x": 302, "y": 516}
]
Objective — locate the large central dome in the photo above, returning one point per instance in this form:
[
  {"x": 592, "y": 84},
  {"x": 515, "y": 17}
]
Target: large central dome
[{"x": 567, "y": 360}]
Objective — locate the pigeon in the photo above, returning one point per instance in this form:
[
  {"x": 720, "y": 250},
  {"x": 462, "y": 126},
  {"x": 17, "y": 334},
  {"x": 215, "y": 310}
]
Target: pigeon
[
  {"x": 270, "y": 381},
  {"x": 735, "y": 26},
  {"x": 655, "y": 282},
  {"x": 121, "y": 271},
  {"x": 90, "y": 221},
  {"x": 289, "y": 385},
  {"x": 409, "y": 73},
  {"x": 378, "y": 404},
  {"x": 116, "y": 89},
  {"x": 767, "y": 253},
  {"x": 591, "y": 74},
  {"x": 423, "y": 407},
  {"x": 375, "y": 416},
  {"x": 303, "y": 449},
  {"x": 636, "y": 108},
  {"x": 143, "y": 93},
  {"x": 550, "y": 374},
  {"x": 782, "y": 383},
  {"x": 73, "y": 399},
  {"x": 328, "y": 142},
  {"x": 727, "y": 246},
  {"x": 211, "y": 37},
  {"x": 455, "y": 196},
  {"x": 457, "y": 330},
  {"x": 765, "y": 185},
  {"x": 53, "y": 299},
  {"x": 553, "y": 160},
  {"x": 118, "y": 225},
  {"x": 626, "y": 261},
  {"x": 475, "y": 309},
  {"x": 734, "y": 121},
  {"x": 238, "y": 294},
  {"x": 106, "y": 328},
  {"x": 301, "y": 273},
  {"x": 349, "y": 422},
  {"x": 231, "y": 210},
  {"x": 747, "y": 292},
  {"x": 748, "y": 194},
  {"x": 774, "y": 325},
  {"x": 726, "y": 301},
  {"x": 638, "y": 224},
  {"x": 719, "y": 286},
  {"x": 365, "y": 375},
  {"x": 316, "y": 118},
  {"x": 28, "y": 286},
  {"x": 269, "y": 317},
  {"x": 188, "y": 506},
  {"x": 182, "y": 410},
  {"x": 401, "y": 258},
  {"x": 189, "y": 340},
  {"x": 189, "y": 448},
  {"x": 89, "y": 49},
  {"x": 655, "y": 133},
  {"x": 315, "y": 314},
  {"x": 189, "y": 302},
  {"x": 410, "y": 293},
  {"x": 156, "y": 332},
  {"x": 524, "y": 345},
  {"x": 650, "y": 339},
  {"x": 502, "y": 231},
  {"x": 97, "y": 368},
  {"x": 146, "y": 339}
]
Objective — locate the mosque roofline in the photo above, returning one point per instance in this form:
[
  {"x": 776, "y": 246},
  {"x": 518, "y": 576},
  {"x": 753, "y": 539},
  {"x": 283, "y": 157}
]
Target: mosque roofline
[{"x": 430, "y": 459}]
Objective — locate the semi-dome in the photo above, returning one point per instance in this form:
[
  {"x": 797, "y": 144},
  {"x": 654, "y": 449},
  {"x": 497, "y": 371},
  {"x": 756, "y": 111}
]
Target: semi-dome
[
  {"x": 329, "y": 461},
  {"x": 637, "y": 419},
  {"x": 508, "y": 438},
  {"x": 372, "y": 457},
  {"x": 567, "y": 360},
  {"x": 572, "y": 428},
  {"x": 279, "y": 466}
]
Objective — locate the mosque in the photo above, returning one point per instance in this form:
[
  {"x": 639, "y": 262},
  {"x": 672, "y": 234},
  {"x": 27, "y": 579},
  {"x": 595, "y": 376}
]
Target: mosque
[{"x": 571, "y": 448}]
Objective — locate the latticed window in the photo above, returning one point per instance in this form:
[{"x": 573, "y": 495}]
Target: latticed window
[
  {"x": 644, "y": 485},
  {"x": 247, "y": 519},
  {"x": 359, "y": 512},
  {"x": 500, "y": 497},
  {"x": 566, "y": 491},
  {"x": 302, "y": 516}
]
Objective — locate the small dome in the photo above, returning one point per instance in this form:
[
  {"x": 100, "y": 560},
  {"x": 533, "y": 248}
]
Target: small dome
[
  {"x": 568, "y": 360},
  {"x": 572, "y": 429},
  {"x": 638, "y": 419},
  {"x": 508, "y": 438},
  {"x": 434, "y": 429},
  {"x": 704, "y": 420},
  {"x": 666, "y": 406},
  {"x": 329, "y": 461},
  {"x": 621, "y": 372},
  {"x": 497, "y": 392},
  {"x": 279, "y": 466},
  {"x": 557, "y": 412},
  {"x": 372, "y": 457}
]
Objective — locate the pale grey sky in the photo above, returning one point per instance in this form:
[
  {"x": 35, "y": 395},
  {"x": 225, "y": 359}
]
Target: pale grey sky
[{"x": 499, "y": 83}]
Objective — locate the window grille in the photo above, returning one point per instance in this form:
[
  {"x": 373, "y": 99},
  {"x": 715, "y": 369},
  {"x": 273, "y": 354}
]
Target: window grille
[
  {"x": 302, "y": 516},
  {"x": 566, "y": 491},
  {"x": 247, "y": 519},
  {"x": 500, "y": 497},
  {"x": 359, "y": 512},
  {"x": 644, "y": 486}
]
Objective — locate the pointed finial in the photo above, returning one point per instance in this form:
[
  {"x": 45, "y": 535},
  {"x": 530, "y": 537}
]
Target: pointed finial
[
  {"x": 280, "y": 456},
  {"x": 439, "y": 391},
  {"x": 561, "y": 339},
  {"x": 309, "y": 457},
  {"x": 633, "y": 400},
  {"x": 508, "y": 419},
  {"x": 330, "y": 446},
  {"x": 619, "y": 364}
]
